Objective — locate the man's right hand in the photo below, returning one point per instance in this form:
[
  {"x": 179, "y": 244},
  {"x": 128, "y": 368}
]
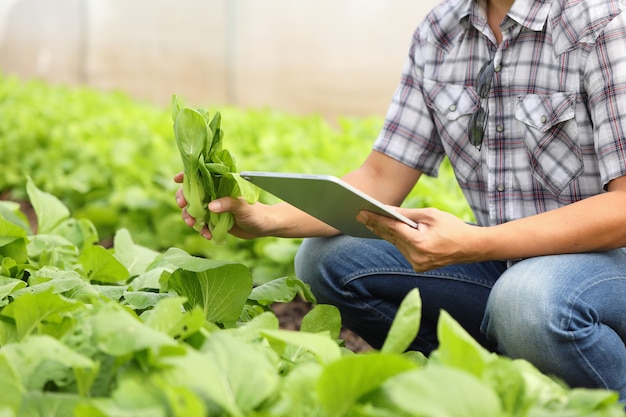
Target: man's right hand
[{"x": 251, "y": 220}]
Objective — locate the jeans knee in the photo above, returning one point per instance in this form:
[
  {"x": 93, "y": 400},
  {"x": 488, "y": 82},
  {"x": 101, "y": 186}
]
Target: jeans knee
[
  {"x": 520, "y": 316},
  {"x": 314, "y": 266},
  {"x": 305, "y": 262}
]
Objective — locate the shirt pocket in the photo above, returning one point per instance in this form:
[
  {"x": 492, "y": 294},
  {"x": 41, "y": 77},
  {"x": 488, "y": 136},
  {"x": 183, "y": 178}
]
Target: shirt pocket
[
  {"x": 451, "y": 106},
  {"x": 551, "y": 138}
]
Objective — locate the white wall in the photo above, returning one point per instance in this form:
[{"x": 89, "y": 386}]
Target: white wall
[{"x": 333, "y": 57}]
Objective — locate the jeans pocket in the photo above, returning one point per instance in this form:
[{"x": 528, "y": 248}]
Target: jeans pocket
[
  {"x": 551, "y": 138},
  {"x": 451, "y": 106}
]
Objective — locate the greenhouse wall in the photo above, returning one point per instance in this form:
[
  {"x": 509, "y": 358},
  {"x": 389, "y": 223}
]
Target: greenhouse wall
[{"x": 332, "y": 57}]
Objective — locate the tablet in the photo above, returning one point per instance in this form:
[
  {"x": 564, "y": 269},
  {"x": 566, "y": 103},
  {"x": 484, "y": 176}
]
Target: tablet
[{"x": 325, "y": 197}]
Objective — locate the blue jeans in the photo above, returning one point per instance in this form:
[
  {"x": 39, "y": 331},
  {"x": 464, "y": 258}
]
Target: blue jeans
[{"x": 566, "y": 314}]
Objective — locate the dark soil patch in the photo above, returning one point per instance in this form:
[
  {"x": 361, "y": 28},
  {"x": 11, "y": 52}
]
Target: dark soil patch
[{"x": 290, "y": 317}]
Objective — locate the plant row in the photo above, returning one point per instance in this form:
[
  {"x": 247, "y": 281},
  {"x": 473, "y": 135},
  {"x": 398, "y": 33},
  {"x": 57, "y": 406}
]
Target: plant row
[{"x": 89, "y": 331}]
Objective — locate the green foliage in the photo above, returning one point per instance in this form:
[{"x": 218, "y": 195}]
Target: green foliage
[
  {"x": 168, "y": 334},
  {"x": 210, "y": 170},
  {"x": 110, "y": 159}
]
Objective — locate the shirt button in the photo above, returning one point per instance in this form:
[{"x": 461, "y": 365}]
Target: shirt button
[
  {"x": 544, "y": 119},
  {"x": 498, "y": 68},
  {"x": 500, "y": 187},
  {"x": 500, "y": 128},
  {"x": 452, "y": 108}
]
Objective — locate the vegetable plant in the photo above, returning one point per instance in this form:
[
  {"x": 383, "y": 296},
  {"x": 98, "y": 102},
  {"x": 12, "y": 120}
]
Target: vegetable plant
[
  {"x": 88, "y": 331},
  {"x": 210, "y": 170}
]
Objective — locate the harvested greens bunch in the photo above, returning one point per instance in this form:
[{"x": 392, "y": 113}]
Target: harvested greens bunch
[{"x": 210, "y": 170}]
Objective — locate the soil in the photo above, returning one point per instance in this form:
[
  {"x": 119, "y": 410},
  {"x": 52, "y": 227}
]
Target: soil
[{"x": 289, "y": 314}]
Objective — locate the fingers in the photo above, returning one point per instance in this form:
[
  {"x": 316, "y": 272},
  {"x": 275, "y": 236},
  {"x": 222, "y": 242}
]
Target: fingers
[
  {"x": 382, "y": 226},
  {"x": 180, "y": 198},
  {"x": 224, "y": 204},
  {"x": 182, "y": 203}
]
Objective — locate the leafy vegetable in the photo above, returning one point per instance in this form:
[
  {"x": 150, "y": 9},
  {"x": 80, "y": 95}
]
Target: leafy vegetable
[
  {"x": 184, "y": 336},
  {"x": 210, "y": 171}
]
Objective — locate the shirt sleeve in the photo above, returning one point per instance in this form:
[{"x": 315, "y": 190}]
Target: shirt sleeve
[
  {"x": 605, "y": 83},
  {"x": 408, "y": 134}
]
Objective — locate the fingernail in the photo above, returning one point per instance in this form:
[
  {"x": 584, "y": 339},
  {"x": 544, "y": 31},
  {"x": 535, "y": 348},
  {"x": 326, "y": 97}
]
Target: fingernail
[{"x": 215, "y": 205}]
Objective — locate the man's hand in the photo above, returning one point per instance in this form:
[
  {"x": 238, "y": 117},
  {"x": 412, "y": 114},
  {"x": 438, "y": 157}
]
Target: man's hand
[
  {"x": 440, "y": 239},
  {"x": 247, "y": 217}
]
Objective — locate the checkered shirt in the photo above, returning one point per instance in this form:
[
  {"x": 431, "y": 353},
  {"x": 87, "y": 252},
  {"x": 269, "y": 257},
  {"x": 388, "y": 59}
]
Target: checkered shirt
[{"x": 556, "y": 124}]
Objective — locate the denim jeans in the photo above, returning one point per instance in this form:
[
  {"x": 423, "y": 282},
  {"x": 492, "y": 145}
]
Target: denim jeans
[{"x": 566, "y": 314}]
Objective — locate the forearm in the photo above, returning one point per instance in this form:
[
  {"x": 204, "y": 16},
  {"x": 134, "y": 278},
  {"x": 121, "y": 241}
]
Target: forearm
[
  {"x": 380, "y": 176},
  {"x": 289, "y": 222},
  {"x": 594, "y": 224}
]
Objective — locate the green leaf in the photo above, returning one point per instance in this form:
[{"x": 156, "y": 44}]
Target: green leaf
[
  {"x": 325, "y": 349},
  {"x": 297, "y": 393},
  {"x": 13, "y": 240},
  {"x": 281, "y": 290},
  {"x": 223, "y": 157},
  {"x": 58, "y": 281},
  {"x": 190, "y": 130},
  {"x": 81, "y": 232},
  {"x": 190, "y": 372},
  {"x": 217, "y": 168},
  {"x": 322, "y": 318},
  {"x": 208, "y": 182},
  {"x": 149, "y": 280},
  {"x": 343, "y": 382},
  {"x": 438, "y": 391},
  {"x": 215, "y": 125},
  {"x": 169, "y": 317},
  {"x": 251, "y": 330},
  {"x": 245, "y": 188},
  {"x": 235, "y": 360},
  {"x": 134, "y": 257},
  {"x": 11, "y": 387},
  {"x": 100, "y": 265},
  {"x": 458, "y": 349},
  {"x": 52, "y": 250},
  {"x": 35, "y": 313},
  {"x": 175, "y": 258},
  {"x": 118, "y": 332},
  {"x": 50, "y": 404},
  {"x": 50, "y": 210},
  {"x": 40, "y": 359},
  {"x": 405, "y": 324},
  {"x": 9, "y": 285},
  {"x": 219, "y": 289},
  {"x": 10, "y": 211},
  {"x": 176, "y": 106},
  {"x": 219, "y": 229},
  {"x": 220, "y": 292},
  {"x": 133, "y": 396},
  {"x": 142, "y": 300}
]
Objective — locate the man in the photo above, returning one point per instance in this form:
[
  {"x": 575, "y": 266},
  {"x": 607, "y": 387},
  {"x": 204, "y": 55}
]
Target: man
[{"x": 528, "y": 101}]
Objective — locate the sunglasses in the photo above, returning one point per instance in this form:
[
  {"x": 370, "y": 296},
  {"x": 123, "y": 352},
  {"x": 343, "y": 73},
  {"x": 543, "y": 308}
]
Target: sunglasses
[{"x": 478, "y": 121}]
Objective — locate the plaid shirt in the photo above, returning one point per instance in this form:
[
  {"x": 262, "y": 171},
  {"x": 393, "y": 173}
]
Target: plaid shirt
[{"x": 556, "y": 124}]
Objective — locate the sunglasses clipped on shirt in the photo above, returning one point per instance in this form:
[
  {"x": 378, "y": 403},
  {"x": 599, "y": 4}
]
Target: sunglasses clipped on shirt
[{"x": 478, "y": 121}]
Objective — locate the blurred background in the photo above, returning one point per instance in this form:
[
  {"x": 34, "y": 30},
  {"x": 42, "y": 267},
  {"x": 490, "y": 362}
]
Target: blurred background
[
  {"x": 302, "y": 86},
  {"x": 329, "y": 57}
]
